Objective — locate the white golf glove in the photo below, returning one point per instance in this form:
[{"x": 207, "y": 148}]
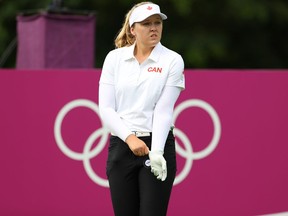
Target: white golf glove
[{"x": 158, "y": 164}]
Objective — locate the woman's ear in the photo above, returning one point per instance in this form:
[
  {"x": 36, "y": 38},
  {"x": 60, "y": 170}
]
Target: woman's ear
[{"x": 132, "y": 31}]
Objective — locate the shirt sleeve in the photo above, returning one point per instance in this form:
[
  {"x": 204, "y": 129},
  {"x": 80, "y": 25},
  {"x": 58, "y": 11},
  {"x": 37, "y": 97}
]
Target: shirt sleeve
[
  {"x": 163, "y": 117},
  {"x": 176, "y": 73},
  {"x": 107, "y": 74},
  {"x": 108, "y": 114}
]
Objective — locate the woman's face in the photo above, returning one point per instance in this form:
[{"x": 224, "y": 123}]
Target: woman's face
[{"x": 149, "y": 31}]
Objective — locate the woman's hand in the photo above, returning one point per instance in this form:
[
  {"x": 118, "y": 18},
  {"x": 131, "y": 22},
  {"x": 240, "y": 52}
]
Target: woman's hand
[{"x": 137, "y": 146}]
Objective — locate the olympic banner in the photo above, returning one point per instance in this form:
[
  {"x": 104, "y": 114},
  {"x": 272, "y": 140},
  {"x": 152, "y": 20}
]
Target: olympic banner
[{"x": 231, "y": 142}]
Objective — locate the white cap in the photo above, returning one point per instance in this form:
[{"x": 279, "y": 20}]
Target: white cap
[{"x": 144, "y": 11}]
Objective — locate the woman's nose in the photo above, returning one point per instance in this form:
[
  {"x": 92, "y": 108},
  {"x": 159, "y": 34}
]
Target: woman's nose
[{"x": 153, "y": 27}]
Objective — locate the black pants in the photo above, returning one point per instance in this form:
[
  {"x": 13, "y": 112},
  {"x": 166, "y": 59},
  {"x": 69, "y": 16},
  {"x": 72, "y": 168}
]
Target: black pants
[{"x": 135, "y": 191}]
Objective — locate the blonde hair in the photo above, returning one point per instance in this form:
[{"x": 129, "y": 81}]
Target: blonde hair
[{"x": 124, "y": 37}]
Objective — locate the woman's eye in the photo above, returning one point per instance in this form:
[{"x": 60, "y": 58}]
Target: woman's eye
[
  {"x": 157, "y": 23},
  {"x": 146, "y": 24}
]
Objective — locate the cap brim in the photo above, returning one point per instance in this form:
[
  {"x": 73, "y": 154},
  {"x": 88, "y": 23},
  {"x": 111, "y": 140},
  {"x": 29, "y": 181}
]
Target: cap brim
[{"x": 163, "y": 17}]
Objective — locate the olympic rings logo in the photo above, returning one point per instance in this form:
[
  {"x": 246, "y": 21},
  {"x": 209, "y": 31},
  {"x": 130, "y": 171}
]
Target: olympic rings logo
[{"x": 89, "y": 153}]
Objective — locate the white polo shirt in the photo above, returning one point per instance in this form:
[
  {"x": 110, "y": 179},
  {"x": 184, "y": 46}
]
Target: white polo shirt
[{"x": 138, "y": 87}]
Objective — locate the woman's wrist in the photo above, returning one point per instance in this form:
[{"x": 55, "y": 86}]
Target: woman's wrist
[{"x": 129, "y": 138}]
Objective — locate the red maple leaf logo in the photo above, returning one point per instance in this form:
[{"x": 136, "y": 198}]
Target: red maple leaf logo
[{"x": 149, "y": 8}]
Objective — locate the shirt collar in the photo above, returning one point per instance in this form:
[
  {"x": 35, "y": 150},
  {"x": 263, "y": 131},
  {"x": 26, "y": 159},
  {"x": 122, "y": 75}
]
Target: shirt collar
[
  {"x": 129, "y": 52},
  {"x": 154, "y": 55}
]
